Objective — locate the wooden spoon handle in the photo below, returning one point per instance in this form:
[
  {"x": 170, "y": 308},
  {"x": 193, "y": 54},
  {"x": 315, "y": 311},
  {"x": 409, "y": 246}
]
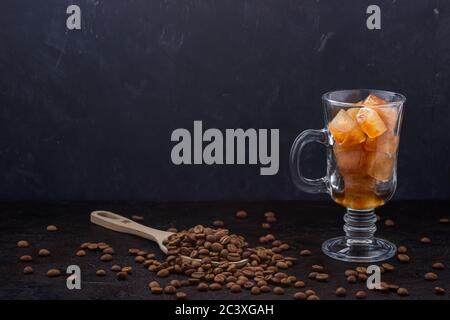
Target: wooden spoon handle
[{"x": 118, "y": 223}]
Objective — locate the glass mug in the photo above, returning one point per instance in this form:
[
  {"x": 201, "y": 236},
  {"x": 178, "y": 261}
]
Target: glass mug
[{"x": 362, "y": 131}]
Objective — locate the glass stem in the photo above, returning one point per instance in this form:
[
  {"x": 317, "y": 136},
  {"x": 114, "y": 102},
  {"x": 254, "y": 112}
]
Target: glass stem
[{"x": 360, "y": 226}]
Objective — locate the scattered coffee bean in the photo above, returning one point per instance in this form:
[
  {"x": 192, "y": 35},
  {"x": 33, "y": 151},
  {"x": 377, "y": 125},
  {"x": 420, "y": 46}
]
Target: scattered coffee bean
[
  {"x": 299, "y": 284},
  {"x": 271, "y": 219},
  {"x": 438, "y": 266},
  {"x": 170, "y": 289},
  {"x": 122, "y": 275},
  {"x": 388, "y": 266},
  {"x": 403, "y": 258},
  {"x": 389, "y": 223},
  {"x": 341, "y": 292},
  {"x": 27, "y": 270},
  {"x": 350, "y": 273},
  {"x": 26, "y": 258},
  {"x": 431, "y": 276},
  {"x": 53, "y": 273},
  {"x": 100, "y": 273},
  {"x": 300, "y": 296},
  {"x": 52, "y": 228},
  {"x": 313, "y": 297},
  {"x": 23, "y": 244},
  {"x": 153, "y": 284},
  {"x": 236, "y": 288},
  {"x": 215, "y": 286},
  {"x": 312, "y": 275},
  {"x": 425, "y": 240},
  {"x": 361, "y": 269},
  {"x": 218, "y": 223},
  {"x": 81, "y": 253},
  {"x": 102, "y": 245},
  {"x": 139, "y": 259},
  {"x": 108, "y": 250},
  {"x": 310, "y": 292},
  {"x": 137, "y": 218},
  {"x": 265, "y": 289},
  {"x": 163, "y": 273},
  {"x": 116, "y": 268},
  {"x": 362, "y": 277},
  {"x": 305, "y": 253},
  {"x": 181, "y": 295},
  {"x": 92, "y": 246},
  {"x": 265, "y": 225},
  {"x": 202, "y": 286},
  {"x": 402, "y": 292},
  {"x": 444, "y": 220},
  {"x": 278, "y": 290},
  {"x": 43, "y": 253},
  {"x": 351, "y": 279},
  {"x": 439, "y": 291},
  {"x": 322, "y": 277},
  {"x": 133, "y": 251},
  {"x": 106, "y": 257},
  {"x": 361, "y": 294},
  {"x": 317, "y": 268},
  {"x": 85, "y": 245},
  {"x": 402, "y": 249},
  {"x": 255, "y": 291},
  {"x": 156, "y": 290},
  {"x": 127, "y": 269},
  {"x": 241, "y": 214}
]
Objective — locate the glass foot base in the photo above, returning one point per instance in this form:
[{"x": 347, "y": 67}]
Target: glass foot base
[{"x": 341, "y": 248}]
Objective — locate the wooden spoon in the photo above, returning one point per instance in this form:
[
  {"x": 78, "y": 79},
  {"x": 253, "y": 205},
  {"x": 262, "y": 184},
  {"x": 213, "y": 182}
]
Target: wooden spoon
[{"x": 118, "y": 223}]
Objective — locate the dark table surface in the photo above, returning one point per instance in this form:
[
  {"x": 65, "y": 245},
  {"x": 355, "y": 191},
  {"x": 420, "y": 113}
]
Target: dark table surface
[{"x": 303, "y": 225}]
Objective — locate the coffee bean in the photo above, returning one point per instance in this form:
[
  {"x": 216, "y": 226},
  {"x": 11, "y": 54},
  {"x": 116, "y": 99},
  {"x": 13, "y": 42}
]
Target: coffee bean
[
  {"x": 403, "y": 258},
  {"x": 44, "y": 253},
  {"x": 269, "y": 214},
  {"x": 351, "y": 279},
  {"x": 389, "y": 223},
  {"x": 265, "y": 289},
  {"x": 181, "y": 295},
  {"x": 92, "y": 246},
  {"x": 300, "y": 296},
  {"x": 85, "y": 245},
  {"x": 271, "y": 219},
  {"x": 439, "y": 291},
  {"x": 133, "y": 251},
  {"x": 310, "y": 292},
  {"x": 322, "y": 277},
  {"x": 361, "y": 270},
  {"x": 278, "y": 290},
  {"x": 53, "y": 273},
  {"x": 431, "y": 276},
  {"x": 313, "y": 297},
  {"x": 122, "y": 275},
  {"x": 317, "y": 268},
  {"x": 305, "y": 253},
  {"x": 438, "y": 266},
  {"x": 444, "y": 220},
  {"x": 100, "y": 273},
  {"x": 312, "y": 275},
  {"x": 156, "y": 290},
  {"x": 102, "y": 245},
  {"x": 425, "y": 240},
  {"x": 341, "y": 292},
  {"x": 52, "y": 228},
  {"x": 108, "y": 250},
  {"x": 26, "y": 258},
  {"x": 281, "y": 265},
  {"x": 241, "y": 214},
  {"x": 362, "y": 277},
  {"x": 163, "y": 273},
  {"x": 127, "y": 269},
  {"x": 215, "y": 286},
  {"x": 350, "y": 273},
  {"x": 137, "y": 218},
  {"x": 265, "y": 225},
  {"x": 236, "y": 288},
  {"x": 139, "y": 259},
  {"x": 202, "y": 286},
  {"x": 27, "y": 270},
  {"x": 23, "y": 244},
  {"x": 361, "y": 294},
  {"x": 106, "y": 257},
  {"x": 402, "y": 249},
  {"x": 384, "y": 287},
  {"x": 218, "y": 223},
  {"x": 153, "y": 284},
  {"x": 116, "y": 268},
  {"x": 388, "y": 266},
  {"x": 299, "y": 284},
  {"x": 402, "y": 292},
  {"x": 170, "y": 289},
  {"x": 81, "y": 253}
]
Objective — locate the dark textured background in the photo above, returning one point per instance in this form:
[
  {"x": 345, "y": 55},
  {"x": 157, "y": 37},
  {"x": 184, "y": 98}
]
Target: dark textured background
[{"x": 88, "y": 114}]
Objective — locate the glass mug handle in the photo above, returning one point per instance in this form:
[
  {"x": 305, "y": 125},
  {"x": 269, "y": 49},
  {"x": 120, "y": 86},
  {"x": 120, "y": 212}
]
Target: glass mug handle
[{"x": 308, "y": 185}]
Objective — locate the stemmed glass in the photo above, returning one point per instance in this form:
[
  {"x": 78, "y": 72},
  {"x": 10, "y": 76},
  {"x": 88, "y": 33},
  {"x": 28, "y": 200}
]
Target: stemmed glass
[{"x": 361, "y": 135}]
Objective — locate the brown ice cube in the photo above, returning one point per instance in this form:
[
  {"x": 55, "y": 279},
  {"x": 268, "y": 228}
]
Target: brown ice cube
[
  {"x": 387, "y": 142},
  {"x": 373, "y": 100},
  {"x": 370, "y": 122},
  {"x": 352, "y": 112},
  {"x": 389, "y": 115},
  {"x": 345, "y": 130},
  {"x": 349, "y": 159},
  {"x": 380, "y": 165}
]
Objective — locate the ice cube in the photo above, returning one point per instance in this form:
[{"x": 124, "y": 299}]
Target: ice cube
[
  {"x": 389, "y": 115},
  {"x": 387, "y": 142},
  {"x": 380, "y": 165},
  {"x": 352, "y": 112},
  {"x": 370, "y": 122},
  {"x": 373, "y": 100},
  {"x": 345, "y": 130},
  {"x": 349, "y": 159}
]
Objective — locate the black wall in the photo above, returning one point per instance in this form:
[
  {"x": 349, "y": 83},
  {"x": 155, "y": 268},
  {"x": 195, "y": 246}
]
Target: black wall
[{"x": 88, "y": 114}]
